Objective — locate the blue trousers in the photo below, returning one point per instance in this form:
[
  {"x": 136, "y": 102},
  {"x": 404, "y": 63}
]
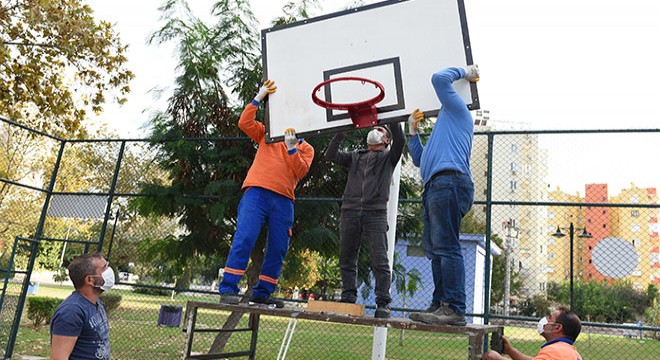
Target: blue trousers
[
  {"x": 446, "y": 200},
  {"x": 257, "y": 206}
]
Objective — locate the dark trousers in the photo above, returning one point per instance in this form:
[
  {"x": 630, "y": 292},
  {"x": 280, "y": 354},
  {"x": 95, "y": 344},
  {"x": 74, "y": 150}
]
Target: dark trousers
[{"x": 372, "y": 227}]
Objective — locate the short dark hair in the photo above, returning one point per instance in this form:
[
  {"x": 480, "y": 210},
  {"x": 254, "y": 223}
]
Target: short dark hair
[
  {"x": 570, "y": 323},
  {"x": 82, "y": 266}
]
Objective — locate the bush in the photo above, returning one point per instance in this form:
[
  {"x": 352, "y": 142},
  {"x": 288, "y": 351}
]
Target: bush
[
  {"x": 110, "y": 302},
  {"x": 535, "y": 306},
  {"x": 150, "y": 289},
  {"x": 61, "y": 275},
  {"x": 41, "y": 309}
]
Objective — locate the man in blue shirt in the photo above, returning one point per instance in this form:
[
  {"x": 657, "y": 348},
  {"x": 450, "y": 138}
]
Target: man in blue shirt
[
  {"x": 448, "y": 195},
  {"x": 79, "y": 327}
]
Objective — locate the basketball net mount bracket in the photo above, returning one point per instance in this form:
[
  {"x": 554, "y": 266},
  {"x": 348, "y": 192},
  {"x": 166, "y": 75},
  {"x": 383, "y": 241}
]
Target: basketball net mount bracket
[{"x": 363, "y": 114}]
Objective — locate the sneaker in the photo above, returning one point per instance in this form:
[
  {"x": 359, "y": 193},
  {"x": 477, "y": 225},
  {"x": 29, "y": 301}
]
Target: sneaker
[
  {"x": 444, "y": 315},
  {"x": 230, "y": 298},
  {"x": 416, "y": 315},
  {"x": 382, "y": 312},
  {"x": 269, "y": 301},
  {"x": 432, "y": 308}
]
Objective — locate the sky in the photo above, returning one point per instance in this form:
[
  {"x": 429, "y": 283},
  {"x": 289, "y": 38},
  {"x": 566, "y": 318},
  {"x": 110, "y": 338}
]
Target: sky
[{"x": 555, "y": 65}]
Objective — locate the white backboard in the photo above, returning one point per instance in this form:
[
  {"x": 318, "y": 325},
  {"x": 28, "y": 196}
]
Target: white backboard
[{"x": 399, "y": 44}]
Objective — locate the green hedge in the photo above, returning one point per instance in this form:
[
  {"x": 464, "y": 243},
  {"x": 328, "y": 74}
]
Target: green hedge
[
  {"x": 41, "y": 309},
  {"x": 110, "y": 302}
]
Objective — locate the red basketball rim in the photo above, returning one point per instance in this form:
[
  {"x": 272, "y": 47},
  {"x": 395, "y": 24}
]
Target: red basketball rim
[{"x": 335, "y": 106}]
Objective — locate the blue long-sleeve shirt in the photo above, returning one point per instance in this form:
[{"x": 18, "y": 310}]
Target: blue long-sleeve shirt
[{"x": 450, "y": 144}]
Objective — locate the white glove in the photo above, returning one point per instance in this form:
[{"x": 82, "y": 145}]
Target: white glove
[
  {"x": 290, "y": 138},
  {"x": 415, "y": 118},
  {"x": 267, "y": 88},
  {"x": 472, "y": 73}
]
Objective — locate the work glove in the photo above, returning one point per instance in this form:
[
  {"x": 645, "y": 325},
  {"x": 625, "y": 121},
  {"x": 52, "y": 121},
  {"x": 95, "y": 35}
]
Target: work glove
[
  {"x": 290, "y": 138},
  {"x": 472, "y": 73},
  {"x": 267, "y": 88},
  {"x": 413, "y": 120}
]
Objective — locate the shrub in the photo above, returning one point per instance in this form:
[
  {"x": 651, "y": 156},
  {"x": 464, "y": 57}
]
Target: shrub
[
  {"x": 150, "y": 289},
  {"x": 535, "y": 306},
  {"x": 110, "y": 302},
  {"x": 41, "y": 309},
  {"x": 61, "y": 275}
]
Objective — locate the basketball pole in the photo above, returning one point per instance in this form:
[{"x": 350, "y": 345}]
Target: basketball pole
[{"x": 379, "y": 345}]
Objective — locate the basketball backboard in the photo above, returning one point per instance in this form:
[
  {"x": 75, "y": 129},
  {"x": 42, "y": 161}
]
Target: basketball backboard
[{"x": 399, "y": 44}]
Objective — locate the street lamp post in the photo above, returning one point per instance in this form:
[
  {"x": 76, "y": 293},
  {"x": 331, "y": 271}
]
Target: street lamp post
[
  {"x": 571, "y": 234},
  {"x": 509, "y": 226}
]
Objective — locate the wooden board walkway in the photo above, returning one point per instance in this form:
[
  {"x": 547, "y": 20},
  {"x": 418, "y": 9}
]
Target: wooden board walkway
[{"x": 476, "y": 333}]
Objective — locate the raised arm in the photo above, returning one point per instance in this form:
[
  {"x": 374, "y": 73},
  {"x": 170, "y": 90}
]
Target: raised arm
[
  {"x": 399, "y": 141},
  {"x": 332, "y": 153},
  {"x": 247, "y": 123},
  {"x": 442, "y": 83}
]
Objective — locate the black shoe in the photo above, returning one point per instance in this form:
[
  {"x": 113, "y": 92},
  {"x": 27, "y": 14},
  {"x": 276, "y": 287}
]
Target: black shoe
[
  {"x": 230, "y": 298},
  {"x": 268, "y": 301},
  {"x": 443, "y": 316},
  {"x": 416, "y": 316},
  {"x": 382, "y": 312}
]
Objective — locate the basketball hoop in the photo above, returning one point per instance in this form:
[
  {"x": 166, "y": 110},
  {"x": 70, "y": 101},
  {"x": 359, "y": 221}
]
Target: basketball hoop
[{"x": 363, "y": 114}]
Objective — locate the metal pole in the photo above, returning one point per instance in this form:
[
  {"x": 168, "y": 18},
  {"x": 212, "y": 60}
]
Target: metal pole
[
  {"x": 571, "y": 230},
  {"x": 507, "y": 272}
]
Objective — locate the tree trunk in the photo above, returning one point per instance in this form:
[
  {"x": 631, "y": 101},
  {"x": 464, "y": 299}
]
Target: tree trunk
[{"x": 252, "y": 274}]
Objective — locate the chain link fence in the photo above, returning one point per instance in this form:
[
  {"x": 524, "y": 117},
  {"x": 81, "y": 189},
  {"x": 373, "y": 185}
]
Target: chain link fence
[{"x": 529, "y": 247}]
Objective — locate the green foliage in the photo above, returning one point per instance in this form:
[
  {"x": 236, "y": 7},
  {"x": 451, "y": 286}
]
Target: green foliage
[
  {"x": 41, "y": 309},
  {"x": 618, "y": 302},
  {"x": 61, "y": 275},
  {"x": 150, "y": 289},
  {"x": 329, "y": 276},
  {"x": 110, "y": 302},
  {"x": 536, "y": 306},
  {"x": 652, "y": 317},
  {"x": 406, "y": 282}
]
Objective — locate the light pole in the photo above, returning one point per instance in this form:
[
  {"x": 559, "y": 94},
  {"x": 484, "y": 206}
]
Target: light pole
[
  {"x": 571, "y": 234},
  {"x": 508, "y": 225}
]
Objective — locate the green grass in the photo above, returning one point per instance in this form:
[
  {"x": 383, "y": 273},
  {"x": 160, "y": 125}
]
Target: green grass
[{"x": 135, "y": 335}]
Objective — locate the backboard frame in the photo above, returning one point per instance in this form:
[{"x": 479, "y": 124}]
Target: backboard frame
[{"x": 384, "y": 112}]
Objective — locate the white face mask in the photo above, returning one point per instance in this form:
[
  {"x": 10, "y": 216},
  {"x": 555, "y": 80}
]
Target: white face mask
[
  {"x": 541, "y": 324},
  {"x": 374, "y": 137},
  {"x": 108, "y": 279}
]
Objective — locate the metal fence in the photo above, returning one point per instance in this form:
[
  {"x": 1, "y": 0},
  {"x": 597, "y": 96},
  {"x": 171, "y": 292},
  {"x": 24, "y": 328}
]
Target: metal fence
[{"x": 528, "y": 246}]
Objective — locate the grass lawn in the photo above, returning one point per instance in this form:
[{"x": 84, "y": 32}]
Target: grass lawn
[{"x": 134, "y": 334}]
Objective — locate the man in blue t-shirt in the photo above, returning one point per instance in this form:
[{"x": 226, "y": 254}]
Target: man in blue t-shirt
[
  {"x": 448, "y": 195},
  {"x": 79, "y": 327}
]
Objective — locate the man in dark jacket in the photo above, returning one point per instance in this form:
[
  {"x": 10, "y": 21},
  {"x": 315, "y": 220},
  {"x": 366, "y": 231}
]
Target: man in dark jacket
[{"x": 364, "y": 209}]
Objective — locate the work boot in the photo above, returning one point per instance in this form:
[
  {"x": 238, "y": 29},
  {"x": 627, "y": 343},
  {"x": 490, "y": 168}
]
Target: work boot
[
  {"x": 382, "y": 312},
  {"x": 230, "y": 299},
  {"x": 443, "y": 316},
  {"x": 415, "y": 316},
  {"x": 269, "y": 301}
]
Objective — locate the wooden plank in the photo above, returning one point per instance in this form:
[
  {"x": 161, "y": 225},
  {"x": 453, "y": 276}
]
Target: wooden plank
[
  {"x": 333, "y": 307},
  {"x": 396, "y": 323}
]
